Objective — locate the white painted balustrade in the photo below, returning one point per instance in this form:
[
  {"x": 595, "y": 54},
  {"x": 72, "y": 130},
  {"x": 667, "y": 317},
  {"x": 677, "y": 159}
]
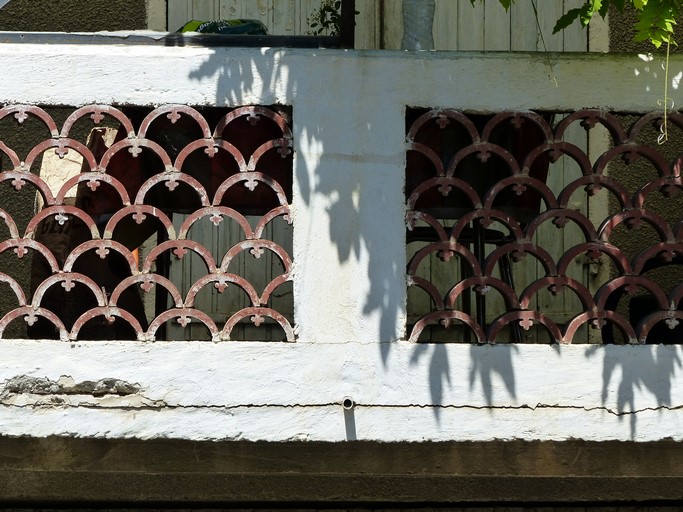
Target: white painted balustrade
[{"x": 349, "y": 278}]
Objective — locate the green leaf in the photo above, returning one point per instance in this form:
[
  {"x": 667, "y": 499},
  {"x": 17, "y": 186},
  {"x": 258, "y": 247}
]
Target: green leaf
[
  {"x": 596, "y": 6},
  {"x": 586, "y": 14},
  {"x": 566, "y": 19}
]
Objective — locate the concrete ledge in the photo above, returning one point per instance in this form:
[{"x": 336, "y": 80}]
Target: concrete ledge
[{"x": 60, "y": 470}]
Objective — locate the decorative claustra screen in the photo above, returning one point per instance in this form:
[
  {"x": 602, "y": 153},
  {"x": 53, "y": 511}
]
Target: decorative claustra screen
[
  {"x": 133, "y": 223},
  {"x": 516, "y": 231}
]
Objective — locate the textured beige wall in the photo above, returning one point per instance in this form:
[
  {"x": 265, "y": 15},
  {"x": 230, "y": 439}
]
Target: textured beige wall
[
  {"x": 73, "y": 15},
  {"x": 622, "y": 30}
]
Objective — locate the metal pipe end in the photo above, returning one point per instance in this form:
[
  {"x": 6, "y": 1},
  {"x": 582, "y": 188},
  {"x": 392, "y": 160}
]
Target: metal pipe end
[{"x": 348, "y": 403}]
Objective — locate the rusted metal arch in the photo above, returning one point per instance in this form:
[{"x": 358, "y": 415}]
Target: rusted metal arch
[
  {"x": 173, "y": 113},
  {"x": 68, "y": 281},
  {"x": 666, "y": 185},
  {"x": 676, "y": 118},
  {"x": 250, "y": 180},
  {"x": 486, "y": 217},
  {"x": 445, "y": 318},
  {"x": 431, "y": 155},
  {"x": 447, "y": 250},
  {"x": 109, "y": 313},
  {"x": 216, "y": 214},
  {"x": 483, "y": 152},
  {"x": 415, "y": 216},
  {"x": 257, "y": 315},
  {"x": 139, "y": 213},
  {"x": 170, "y": 181},
  {"x": 21, "y": 113},
  {"x": 445, "y": 186},
  {"x": 182, "y": 316},
  {"x": 13, "y": 157},
  {"x": 31, "y": 315},
  {"x": 632, "y": 218},
  {"x": 592, "y": 184},
  {"x": 560, "y": 218},
  {"x": 555, "y": 284},
  {"x": 525, "y": 319},
  {"x": 589, "y": 118},
  {"x": 443, "y": 117},
  {"x": 516, "y": 118},
  {"x": 102, "y": 248},
  {"x": 179, "y": 248},
  {"x": 9, "y": 222},
  {"x": 146, "y": 282},
  {"x": 62, "y": 147},
  {"x": 22, "y": 245},
  {"x": 256, "y": 247},
  {"x": 96, "y": 113},
  {"x": 220, "y": 282},
  {"x": 253, "y": 113},
  {"x": 93, "y": 181},
  {"x": 518, "y": 250},
  {"x": 15, "y": 287},
  {"x": 61, "y": 214},
  {"x": 20, "y": 178},
  {"x": 429, "y": 288},
  {"x": 281, "y": 211},
  {"x": 481, "y": 285}
]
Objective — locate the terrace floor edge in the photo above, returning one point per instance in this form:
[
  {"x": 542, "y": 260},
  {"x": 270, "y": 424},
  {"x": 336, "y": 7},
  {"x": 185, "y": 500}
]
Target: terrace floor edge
[{"x": 145, "y": 472}]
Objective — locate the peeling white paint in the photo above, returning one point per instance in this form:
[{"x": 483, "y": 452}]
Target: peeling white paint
[{"x": 278, "y": 392}]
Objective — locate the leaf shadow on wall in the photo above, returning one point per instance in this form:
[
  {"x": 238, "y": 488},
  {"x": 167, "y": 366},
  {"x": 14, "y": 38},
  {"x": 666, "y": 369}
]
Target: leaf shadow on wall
[{"x": 648, "y": 369}]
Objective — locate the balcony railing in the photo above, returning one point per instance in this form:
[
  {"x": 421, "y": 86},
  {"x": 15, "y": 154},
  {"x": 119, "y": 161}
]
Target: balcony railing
[
  {"x": 152, "y": 187},
  {"x": 503, "y": 206},
  {"x": 380, "y": 160},
  {"x": 529, "y": 218}
]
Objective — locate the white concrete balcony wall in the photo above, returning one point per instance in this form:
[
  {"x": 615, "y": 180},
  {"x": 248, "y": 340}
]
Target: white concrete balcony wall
[{"x": 349, "y": 253}]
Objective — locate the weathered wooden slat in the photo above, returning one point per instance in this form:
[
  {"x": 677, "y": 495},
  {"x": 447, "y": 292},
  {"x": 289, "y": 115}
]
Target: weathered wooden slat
[
  {"x": 284, "y": 17},
  {"x": 575, "y": 37},
  {"x": 179, "y": 12},
  {"x": 470, "y": 27},
  {"x": 497, "y": 28},
  {"x": 445, "y": 25},
  {"x": 367, "y": 25},
  {"x": 231, "y": 9},
  {"x": 205, "y": 10},
  {"x": 522, "y": 37}
]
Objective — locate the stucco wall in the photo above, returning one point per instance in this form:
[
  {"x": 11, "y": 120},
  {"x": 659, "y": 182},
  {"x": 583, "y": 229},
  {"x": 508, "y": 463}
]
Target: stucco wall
[
  {"x": 622, "y": 30},
  {"x": 73, "y": 15},
  {"x": 349, "y": 279}
]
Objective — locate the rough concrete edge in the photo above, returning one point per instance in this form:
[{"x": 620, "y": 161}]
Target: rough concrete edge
[{"x": 63, "y": 470}]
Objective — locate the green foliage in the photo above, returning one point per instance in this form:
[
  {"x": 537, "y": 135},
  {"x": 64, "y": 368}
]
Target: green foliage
[
  {"x": 326, "y": 19},
  {"x": 655, "y": 18}
]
